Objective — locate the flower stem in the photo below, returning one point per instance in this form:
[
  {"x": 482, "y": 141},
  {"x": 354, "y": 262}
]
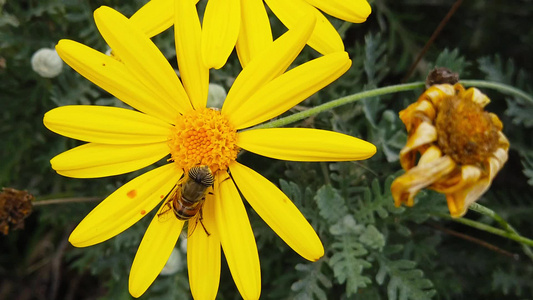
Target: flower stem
[
  {"x": 384, "y": 91},
  {"x": 506, "y": 89},
  {"x": 490, "y": 213},
  {"x": 490, "y": 229},
  {"x": 341, "y": 101},
  {"x": 525, "y": 242},
  {"x": 508, "y": 228}
]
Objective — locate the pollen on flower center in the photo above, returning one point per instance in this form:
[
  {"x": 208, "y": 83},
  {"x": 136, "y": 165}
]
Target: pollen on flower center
[
  {"x": 465, "y": 131},
  {"x": 203, "y": 137}
]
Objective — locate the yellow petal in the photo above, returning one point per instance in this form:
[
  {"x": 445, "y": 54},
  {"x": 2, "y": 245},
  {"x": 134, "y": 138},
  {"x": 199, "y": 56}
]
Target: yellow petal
[
  {"x": 278, "y": 212},
  {"x": 154, "y": 17},
  {"x": 187, "y": 33},
  {"x": 112, "y": 76},
  {"x": 203, "y": 254},
  {"x": 142, "y": 57},
  {"x": 268, "y": 64},
  {"x": 355, "y": 11},
  {"x": 125, "y": 206},
  {"x": 220, "y": 31},
  {"x": 405, "y": 187},
  {"x": 289, "y": 89},
  {"x": 424, "y": 134},
  {"x": 459, "y": 201},
  {"x": 100, "y": 160},
  {"x": 153, "y": 253},
  {"x": 304, "y": 144},
  {"x": 236, "y": 237},
  {"x": 106, "y": 125},
  {"x": 255, "y": 33},
  {"x": 324, "y": 39}
]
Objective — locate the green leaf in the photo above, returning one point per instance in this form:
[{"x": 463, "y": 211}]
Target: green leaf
[
  {"x": 376, "y": 68},
  {"x": 375, "y": 201},
  {"x": 527, "y": 162},
  {"x": 373, "y": 238},
  {"x": 312, "y": 283},
  {"x": 516, "y": 281},
  {"x": 331, "y": 204},
  {"x": 451, "y": 60},
  {"x": 497, "y": 70},
  {"x": 405, "y": 281},
  {"x": 347, "y": 261}
]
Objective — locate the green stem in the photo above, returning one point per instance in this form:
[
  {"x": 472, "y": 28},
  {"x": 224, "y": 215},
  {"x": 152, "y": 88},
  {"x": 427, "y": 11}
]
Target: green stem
[
  {"x": 488, "y": 228},
  {"x": 384, "y": 91},
  {"x": 490, "y": 213},
  {"x": 506, "y": 89},
  {"x": 341, "y": 101}
]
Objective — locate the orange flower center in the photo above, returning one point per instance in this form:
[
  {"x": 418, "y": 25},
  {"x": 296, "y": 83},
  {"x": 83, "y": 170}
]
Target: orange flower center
[
  {"x": 203, "y": 137},
  {"x": 465, "y": 131}
]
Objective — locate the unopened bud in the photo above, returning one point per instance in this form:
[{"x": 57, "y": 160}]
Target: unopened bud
[{"x": 46, "y": 63}]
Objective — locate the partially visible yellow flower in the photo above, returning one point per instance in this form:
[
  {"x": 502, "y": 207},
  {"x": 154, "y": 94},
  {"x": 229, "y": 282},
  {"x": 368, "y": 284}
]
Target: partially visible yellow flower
[
  {"x": 172, "y": 119},
  {"x": 459, "y": 147},
  {"x": 245, "y": 24},
  {"x": 325, "y": 38}
]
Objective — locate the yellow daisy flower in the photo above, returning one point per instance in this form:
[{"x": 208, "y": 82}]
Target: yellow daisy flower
[
  {"x": 459, "y": 147},
  {"x": 172, "y": 118},
  {"x": 245, "y": 24}
]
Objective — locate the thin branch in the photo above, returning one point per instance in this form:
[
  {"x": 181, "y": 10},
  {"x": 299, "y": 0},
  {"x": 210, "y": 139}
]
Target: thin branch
[
  {"x": 433, "y": 37},
  {"x": 475, "y": 241},
  {"x": 66, "y": 200}
]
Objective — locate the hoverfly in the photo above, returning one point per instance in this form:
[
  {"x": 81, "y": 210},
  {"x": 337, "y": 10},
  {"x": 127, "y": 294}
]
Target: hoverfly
[{"x": 188, "y": 195}]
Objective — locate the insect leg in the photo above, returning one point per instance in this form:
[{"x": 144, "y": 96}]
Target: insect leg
[{"x": 201, "y": 222}]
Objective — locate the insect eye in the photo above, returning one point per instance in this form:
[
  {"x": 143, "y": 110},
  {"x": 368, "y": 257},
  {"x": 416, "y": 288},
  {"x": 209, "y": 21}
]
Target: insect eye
[{"x": 202, "y": 175}]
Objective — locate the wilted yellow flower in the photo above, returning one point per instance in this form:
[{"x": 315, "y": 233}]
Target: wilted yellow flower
[
  {"x": 245, "y": 24},
  {"x": 172, "y": 119},
  {"x": 459, "y": 147}
]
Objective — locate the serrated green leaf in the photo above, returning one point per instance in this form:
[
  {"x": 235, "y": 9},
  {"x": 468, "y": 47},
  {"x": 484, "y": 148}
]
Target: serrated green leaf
[
  {"x": 312, "y": 282},
  {"x": 451, "y": 60},
  {"x": 375, "y": 201},
  {"x": 405, "y": 282},
  {"x": 330, "y": 203}
]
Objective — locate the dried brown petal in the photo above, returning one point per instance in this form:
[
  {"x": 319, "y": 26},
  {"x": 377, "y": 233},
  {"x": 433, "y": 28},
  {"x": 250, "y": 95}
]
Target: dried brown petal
[{"x": 15, "y": 206}]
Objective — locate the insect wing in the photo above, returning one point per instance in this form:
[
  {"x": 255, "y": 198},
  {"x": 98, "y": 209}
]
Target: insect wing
[
  {"x": 193, "y": 222},
  {"x": 198, "y": 218},
  {"x": 167, "y": 211}
]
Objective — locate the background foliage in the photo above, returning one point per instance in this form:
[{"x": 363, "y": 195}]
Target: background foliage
[{"x": 373, "y": 249}]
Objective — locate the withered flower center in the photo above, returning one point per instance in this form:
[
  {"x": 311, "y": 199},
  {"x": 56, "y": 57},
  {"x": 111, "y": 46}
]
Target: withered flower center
[{"x": 465, "y": 131}]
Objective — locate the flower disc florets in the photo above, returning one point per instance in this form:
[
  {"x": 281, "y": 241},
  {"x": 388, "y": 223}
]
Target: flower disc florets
[
  {"x": 465, "y": 131},
  {"x": 203, "y": 137}
]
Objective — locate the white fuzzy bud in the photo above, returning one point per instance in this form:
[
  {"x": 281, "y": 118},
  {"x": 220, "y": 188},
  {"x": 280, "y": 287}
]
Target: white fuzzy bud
[
  {"x": 46, "y": 63},
  {"x": 216, "y": 95},
  {"x": 174, "y": 263}
]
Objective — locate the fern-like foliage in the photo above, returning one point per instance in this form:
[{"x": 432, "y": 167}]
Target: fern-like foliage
[
  {"x": 527, "y": 163},
  {"x": 312, "y": 284},
  {"x": 452, "y": 60},
  {"x": 405, "y": 280},
  {"x": 375, "y": 65},
  {"x": 495, "y": 69},
  {"x": 375, "y": 201},
  {"x": 516, "y": 282},
  {"x": 331, "y": 204},
  {"x": 348, "y": 261}
]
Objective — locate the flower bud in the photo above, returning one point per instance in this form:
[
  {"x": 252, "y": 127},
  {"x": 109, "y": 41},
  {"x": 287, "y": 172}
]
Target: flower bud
[{"x": 46, "y": 63}]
